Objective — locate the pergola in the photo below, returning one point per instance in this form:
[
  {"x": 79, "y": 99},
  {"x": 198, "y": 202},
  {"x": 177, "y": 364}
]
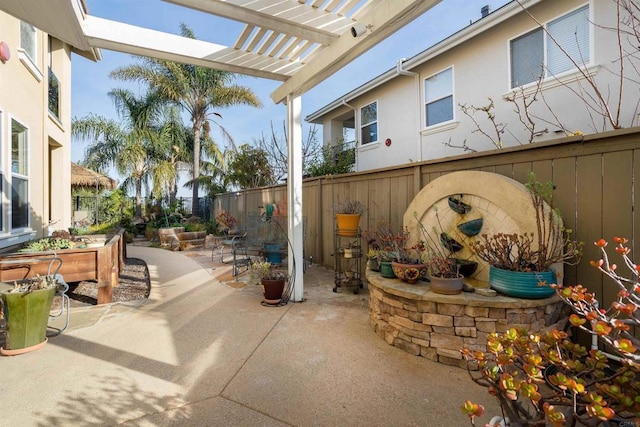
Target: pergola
[{"x": 297, "y": 42}]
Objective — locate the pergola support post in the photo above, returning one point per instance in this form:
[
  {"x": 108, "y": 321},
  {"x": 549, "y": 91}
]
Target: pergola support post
[{"x": 294, "y": 195}]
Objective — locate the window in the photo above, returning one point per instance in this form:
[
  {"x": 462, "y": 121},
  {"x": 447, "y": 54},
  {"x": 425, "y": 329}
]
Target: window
[
  {"x": 542, "y": 54},
  {"x": 28, "y": 40},
  {"x": 438, "y": 95},
  {"x": 2, "y": 146},
  {"x": 19, "y": 176},
  {"x": 369, "y": 123}
]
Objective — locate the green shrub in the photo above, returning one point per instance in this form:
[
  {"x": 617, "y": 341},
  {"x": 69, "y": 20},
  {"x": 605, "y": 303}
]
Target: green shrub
[{"x": 47, "y": 244}]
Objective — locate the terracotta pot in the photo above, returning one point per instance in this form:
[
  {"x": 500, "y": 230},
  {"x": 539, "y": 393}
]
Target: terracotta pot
[
  {"x": 347, "y": 224},
  {"x": 273, "y": 290},
  {"x": 409, "y": 273},
  {"x": 446, "y": 285}
]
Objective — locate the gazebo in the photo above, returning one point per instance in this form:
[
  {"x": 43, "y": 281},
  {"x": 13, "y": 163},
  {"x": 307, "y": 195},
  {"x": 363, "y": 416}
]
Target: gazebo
[{"x": 82, "y": 177}]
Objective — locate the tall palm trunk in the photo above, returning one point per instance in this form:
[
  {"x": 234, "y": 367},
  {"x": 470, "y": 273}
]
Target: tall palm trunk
[
  {"x": 195, "y": 206},
  {"x": 138, "y": 198}
]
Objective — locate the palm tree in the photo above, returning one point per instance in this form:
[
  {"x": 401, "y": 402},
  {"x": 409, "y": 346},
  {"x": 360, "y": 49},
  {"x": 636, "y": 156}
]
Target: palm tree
[
  {"x": 173, "y": 152},
  {"x": 198, "y": 90},
  {"x": 131, "y": 146}
]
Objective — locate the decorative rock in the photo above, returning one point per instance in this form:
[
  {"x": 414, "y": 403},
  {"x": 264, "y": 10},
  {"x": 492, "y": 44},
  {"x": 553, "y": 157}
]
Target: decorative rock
[
  {"x": 476, "y": 311},
  {"x": 486, "y": 292},
  {"x": 410, "y": 348},
  {"x": 446, "y": 341},
  {"x": 497, "y": 313},
  {"x": 444, "y": 330},
  {"x": 464, "y": 321},
  {"x": 437, "y": 319},
  {"x": 465, "y": 331},
  {"x": 451, "y": 309},
  {"x": 453, "y": 354}
]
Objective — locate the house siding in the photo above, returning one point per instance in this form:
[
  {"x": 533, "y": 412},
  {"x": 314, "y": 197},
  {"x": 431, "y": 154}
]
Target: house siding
[
  {"x": 481, "y": 71},
  {"x": 25, "y": 99}
]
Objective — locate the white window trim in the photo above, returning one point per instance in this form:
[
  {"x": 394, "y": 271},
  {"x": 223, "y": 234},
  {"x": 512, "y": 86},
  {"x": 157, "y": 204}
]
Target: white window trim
[
  {"x": 375, "y": 101},
  {"x": 551, "y": 82},
  {"x": 423, "y": 113},
  {"x": 369, "y": 146},
  {"x": 589, "y": 65},
  {"x": 19, "y": 231},
  {"x": 4, "y": 200},
  {"x": 28, "y": 62},
  {"x": 440, "y": 127}
]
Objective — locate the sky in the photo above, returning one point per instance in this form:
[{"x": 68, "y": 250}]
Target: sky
[{"x": 91, "y": 81}]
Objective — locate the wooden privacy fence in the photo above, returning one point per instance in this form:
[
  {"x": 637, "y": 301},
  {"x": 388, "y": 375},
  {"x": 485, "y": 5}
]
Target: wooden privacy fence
[{"x": 594, "y": 177}]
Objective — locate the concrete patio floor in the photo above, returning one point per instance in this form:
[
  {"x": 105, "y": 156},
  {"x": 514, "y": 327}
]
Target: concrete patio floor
[{"x": 201, "y": 352}]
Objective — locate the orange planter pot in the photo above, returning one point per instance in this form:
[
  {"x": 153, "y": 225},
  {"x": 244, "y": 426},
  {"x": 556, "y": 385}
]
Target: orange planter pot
[{"x": 347, "y": 224}]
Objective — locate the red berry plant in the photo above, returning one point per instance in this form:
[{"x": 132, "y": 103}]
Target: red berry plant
[{"x": 544, "y": 378}]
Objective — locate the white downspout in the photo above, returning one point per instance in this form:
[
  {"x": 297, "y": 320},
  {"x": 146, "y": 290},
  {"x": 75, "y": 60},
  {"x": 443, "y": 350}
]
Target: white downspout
[
  {"x": 356, "y": 127},
  {"x": 294, "y": 195},
  {"x": 402, "y": 72}
]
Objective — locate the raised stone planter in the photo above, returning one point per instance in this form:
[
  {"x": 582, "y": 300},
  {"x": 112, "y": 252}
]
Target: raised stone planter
[{"x": 437, "y": 326}]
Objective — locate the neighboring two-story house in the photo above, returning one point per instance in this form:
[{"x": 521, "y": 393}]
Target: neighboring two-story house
[
  {"x": 537, "y": 48},
  {"x": 35, "y": 127}
]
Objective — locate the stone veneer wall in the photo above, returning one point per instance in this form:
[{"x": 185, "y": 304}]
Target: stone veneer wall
[{"x": 437, "y": 327}]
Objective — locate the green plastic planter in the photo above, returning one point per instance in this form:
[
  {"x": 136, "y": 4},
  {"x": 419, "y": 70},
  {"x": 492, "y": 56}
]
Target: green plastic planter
[{"x": 26, "y": 317}]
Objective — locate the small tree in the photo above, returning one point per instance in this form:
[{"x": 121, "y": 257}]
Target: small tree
[
  {"x": 249, "y": 168},
  {"x": 336, "y": 158},
  {"x": 274, "y": 146}
]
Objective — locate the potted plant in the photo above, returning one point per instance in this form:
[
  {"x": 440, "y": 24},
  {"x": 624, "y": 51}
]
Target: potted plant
[
  {"x": 547, "y": 379},
  {"x": 348, "y": 217},
  {"x": 444, "y": 270},
  {"x": 274, "y": 239},
  {"x": 373, "y": 258},
  {"x": 405, "y": 261},
  {"x": 520, "y": 264},
  {"x": 227, "y": 223},
  {"x": 271, "y": 279},
  {"x": 26, "y": 305}
]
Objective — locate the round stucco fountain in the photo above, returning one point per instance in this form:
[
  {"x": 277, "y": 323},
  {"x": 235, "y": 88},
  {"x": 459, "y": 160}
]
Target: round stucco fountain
[{"x": 437, "y": 326}]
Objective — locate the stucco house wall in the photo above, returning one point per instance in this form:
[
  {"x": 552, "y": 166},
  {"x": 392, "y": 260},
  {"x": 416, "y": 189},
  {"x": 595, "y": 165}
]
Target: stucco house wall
[
  {"x": 25, "y": 101},
  {"x": 479, "y": 57}
]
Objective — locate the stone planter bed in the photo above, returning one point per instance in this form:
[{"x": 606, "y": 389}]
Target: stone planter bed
[{"x": 437, "y": 327}]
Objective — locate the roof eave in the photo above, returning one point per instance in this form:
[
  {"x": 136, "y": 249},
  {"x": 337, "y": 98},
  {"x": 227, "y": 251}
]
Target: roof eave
[{"x": 500, "y": 15}]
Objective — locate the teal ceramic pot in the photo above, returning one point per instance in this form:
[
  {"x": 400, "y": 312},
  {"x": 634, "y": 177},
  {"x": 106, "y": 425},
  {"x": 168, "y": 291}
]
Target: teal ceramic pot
[
  {"x": 386, "y": 270},
  {"x": 522, "y": 284},
  {"x": 273, "y": 253}
]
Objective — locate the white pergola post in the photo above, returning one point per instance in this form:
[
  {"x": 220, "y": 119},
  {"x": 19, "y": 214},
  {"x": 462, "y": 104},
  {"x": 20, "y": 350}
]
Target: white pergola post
[{"x": 294, "y": 194}]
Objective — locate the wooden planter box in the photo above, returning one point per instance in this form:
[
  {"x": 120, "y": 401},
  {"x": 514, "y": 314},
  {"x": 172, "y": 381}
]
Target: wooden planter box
[{"x": 102, "y": 264}]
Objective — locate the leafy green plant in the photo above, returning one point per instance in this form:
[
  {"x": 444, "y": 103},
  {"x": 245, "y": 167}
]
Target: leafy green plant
[
  {"x": 264, "y": 270},
  {"x": 47, "y": 244},
  {"x": 195, "y": 226},
  {"x": 336, "y": 158}
]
